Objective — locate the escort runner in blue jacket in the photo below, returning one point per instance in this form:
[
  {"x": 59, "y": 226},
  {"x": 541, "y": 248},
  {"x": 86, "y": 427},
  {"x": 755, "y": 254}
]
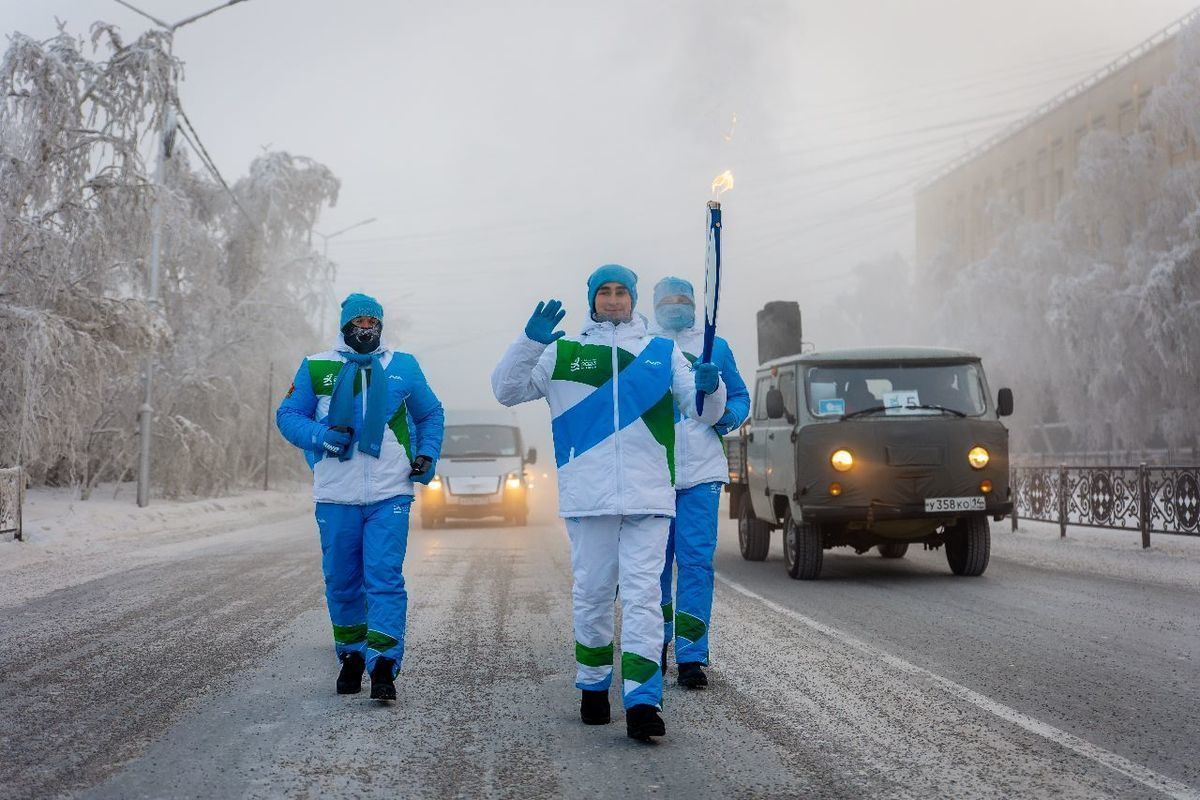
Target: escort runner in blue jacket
[
  {"x": 370, "y": 426},
  {"x": 613, "y": 391},
  {"x": 701, "y": 469}
]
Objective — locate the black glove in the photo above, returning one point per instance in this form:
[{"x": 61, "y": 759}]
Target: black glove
[{"x": 422, "y": 469}]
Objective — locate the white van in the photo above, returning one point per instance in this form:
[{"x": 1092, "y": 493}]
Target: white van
[{"x": 481, "y": 471}]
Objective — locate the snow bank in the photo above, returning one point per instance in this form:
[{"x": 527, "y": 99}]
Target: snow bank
[
  {"x": 1173, "y": 560},
  {"x": 58, "y": 523}
]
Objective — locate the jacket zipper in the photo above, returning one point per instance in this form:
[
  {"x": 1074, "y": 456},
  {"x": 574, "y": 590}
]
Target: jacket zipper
[
  {"x": 617, "y": 427},
  {"x": 366, "y": 467}
]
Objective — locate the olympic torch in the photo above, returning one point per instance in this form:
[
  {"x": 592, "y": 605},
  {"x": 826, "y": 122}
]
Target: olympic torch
[{"x": 712, "y": 271}]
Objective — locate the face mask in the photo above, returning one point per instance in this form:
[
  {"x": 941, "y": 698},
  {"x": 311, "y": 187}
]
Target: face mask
[
  {"x": 362, "y": 340},
  {"x": 675, "y": 316}
]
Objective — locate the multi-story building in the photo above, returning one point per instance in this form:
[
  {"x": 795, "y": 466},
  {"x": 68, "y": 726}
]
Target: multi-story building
[{"x": 1030, "y": 165}]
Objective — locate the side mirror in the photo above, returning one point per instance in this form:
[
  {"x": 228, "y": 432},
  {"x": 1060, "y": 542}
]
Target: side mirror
[
  {"x": 531, "y": 456},
  {"x": 775, "y": 409},
  {"x": 1004, "y": 403}
]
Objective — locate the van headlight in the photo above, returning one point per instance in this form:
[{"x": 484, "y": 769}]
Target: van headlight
[
  {"x": 842, "y": 460},
  {"x": 436, "y": 483},
  {"x": 979, "y": 457},
  {"x": 513, "y": 481}
]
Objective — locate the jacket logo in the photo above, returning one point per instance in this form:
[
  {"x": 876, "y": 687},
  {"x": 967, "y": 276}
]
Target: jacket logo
[
  {"x": 395, "y": 378},
  {"x": 327, "y": 379},
  {"x": 580, "y": 363},
  {"x": 648, "y": 362}
]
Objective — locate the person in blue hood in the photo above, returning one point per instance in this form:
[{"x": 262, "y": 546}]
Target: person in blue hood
[
  {"x": 613, "y": 391},
  {"x": 701, "y": 470},
  {"x": 370, "y": 427}
]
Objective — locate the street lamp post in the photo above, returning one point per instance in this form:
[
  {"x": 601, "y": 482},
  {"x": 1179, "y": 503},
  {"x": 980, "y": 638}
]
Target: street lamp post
[
  {"x": 164, "y": 147},
  {"x": 325, "y": 237}
]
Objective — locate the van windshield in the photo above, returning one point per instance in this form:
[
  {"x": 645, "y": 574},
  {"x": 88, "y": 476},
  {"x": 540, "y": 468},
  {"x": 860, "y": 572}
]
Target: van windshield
[
  {"x": 898, "y": 389},
  {"x": 463, "y": 441}
]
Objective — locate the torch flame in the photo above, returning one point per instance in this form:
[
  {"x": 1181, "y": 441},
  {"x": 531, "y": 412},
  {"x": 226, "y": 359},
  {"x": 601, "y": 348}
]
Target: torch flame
[{"x": 722, "y": 183}]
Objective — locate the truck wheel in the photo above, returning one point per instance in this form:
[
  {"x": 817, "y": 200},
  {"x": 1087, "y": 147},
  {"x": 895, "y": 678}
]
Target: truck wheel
[
  {"x": 893, "y": 549},
  {"x": 968, "y": 546},
  {"x": 803, "y": 550},
  {"x": 754, "y": 537}
]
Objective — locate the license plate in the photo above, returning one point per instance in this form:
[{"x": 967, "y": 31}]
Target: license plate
[
  {"x": 937, "y": 505},
  {"x": 473, "y": 501}
]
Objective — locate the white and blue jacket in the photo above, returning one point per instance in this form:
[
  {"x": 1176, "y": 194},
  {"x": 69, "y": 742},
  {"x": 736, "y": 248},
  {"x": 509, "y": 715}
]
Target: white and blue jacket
[
  {"x": 415, "y": 427},
  {"x": 613, "y": 393},
  {"x": 699, "y": 451}
]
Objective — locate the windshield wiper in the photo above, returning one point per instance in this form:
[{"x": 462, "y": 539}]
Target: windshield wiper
[
  {"x": 877, "y": 409},
  {"x": 861, "y": 411}
]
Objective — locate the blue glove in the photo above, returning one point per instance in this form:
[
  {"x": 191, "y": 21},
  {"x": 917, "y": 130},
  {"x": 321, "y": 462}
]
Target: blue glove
[
  {"x": 707, "y": 377},
  {"x": 422, "y": 469},
  {"x": 726, "y": 423},
  {"x": 335, "y": 442},
  {"x": 545, "y": 319}
]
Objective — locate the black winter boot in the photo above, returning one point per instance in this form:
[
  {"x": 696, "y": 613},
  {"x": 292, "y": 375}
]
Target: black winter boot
[
  {"x": 691, "y": 675},
  {"x": 349, "y": 680},
  {"x": 594, "y": 709},
  {"x": 642, "y": 722},
  {"x": 383, "y": 685}
]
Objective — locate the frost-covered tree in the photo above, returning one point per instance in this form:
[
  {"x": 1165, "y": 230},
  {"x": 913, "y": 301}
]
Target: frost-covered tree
[
  {"x": 1095, "y": 317},
  {"x": 240, "y": 284}
]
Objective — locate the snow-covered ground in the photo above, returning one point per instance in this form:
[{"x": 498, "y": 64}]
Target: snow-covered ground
[
  {"x": 1171, "y": 559},
  {"x": 68, "y": 541}
]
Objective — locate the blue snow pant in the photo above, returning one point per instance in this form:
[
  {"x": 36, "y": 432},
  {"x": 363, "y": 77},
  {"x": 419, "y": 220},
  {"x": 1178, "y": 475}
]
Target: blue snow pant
[
  {"x": 362, "y": 556},
  {"x": 691, "y": 545}
]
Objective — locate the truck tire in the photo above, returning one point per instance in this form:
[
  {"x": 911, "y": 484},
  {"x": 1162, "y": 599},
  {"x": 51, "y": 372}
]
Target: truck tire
[
  {"x": 893, "y": 549},
  {"x": 803, "y": 549},
  {"x": 968, "y": 546},
  {"x": 754, "y": 536}
]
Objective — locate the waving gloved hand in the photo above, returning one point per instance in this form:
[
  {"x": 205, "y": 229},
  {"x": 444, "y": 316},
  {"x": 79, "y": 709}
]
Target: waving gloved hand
[
  {"x": 545, "y": 319},
  {"x": 707, "y": 377},
  {"x": 335, "y": 442},
  {"x": 422, "y": 469}
]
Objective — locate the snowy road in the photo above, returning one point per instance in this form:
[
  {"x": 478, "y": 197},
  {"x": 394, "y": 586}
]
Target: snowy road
[{"x": 205, "y": 671}]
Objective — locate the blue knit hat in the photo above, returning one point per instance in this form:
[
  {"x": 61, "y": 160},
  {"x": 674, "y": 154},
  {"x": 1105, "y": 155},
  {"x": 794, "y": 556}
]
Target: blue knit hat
[
  {"x": 360, "y": 305},
  {"x": 611, "y": 273},
  {"x": 669, "y": 287}
]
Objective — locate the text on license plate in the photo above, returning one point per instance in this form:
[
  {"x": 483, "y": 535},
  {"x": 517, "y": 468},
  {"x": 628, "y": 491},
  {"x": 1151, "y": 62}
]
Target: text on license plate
[
  {"x": 940, "y": 504},
  {"x": 468, "y": 500}
]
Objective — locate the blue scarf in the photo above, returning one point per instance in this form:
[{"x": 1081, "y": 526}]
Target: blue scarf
[{"x": 341, "y": 405}]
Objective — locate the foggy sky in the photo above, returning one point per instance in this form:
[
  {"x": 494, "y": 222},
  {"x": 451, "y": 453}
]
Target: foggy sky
[{"x": 507, "y": 149}]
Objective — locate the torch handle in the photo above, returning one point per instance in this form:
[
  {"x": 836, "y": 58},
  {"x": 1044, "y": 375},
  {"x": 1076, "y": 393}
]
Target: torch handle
[{"x": 712, "y": 287}]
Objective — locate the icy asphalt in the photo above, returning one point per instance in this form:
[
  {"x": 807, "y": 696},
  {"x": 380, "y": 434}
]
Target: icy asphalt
[{"x": 203, "y": 669}]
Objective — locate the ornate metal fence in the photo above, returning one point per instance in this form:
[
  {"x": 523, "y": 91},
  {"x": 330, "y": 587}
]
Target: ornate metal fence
[
  {"x": 1142, "y": 498},
  {"x": 12, "y": 487}
]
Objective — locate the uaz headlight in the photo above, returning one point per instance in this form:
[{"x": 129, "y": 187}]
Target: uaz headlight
[
  {"x": 842, "y": 460},
  {"x": 978, "y": 457}
]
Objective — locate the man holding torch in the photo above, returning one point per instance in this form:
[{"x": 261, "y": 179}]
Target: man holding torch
[
  {"x": 612, "y": 391},
  {"x": 700, "y": 471}
]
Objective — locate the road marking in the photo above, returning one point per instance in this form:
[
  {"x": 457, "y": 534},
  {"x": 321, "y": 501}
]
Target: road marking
[{"x": 1137, "y": 772}]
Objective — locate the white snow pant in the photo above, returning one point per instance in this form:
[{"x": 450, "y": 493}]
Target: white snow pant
[{"x": 629, "y": 552}]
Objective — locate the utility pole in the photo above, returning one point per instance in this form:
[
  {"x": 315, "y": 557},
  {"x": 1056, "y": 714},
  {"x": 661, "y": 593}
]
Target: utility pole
[
  {"x": 325, "y": 237},
  {"x": 164, "y": 146},
  {"x": 146, "y": 412}
]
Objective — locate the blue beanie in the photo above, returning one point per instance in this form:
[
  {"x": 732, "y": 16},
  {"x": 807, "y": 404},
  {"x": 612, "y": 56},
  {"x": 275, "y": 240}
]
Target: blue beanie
[
  {"x": 360, "y": 305},
  {"x": 668, "y": 287},
  {"x": 611, "y": 273}
]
